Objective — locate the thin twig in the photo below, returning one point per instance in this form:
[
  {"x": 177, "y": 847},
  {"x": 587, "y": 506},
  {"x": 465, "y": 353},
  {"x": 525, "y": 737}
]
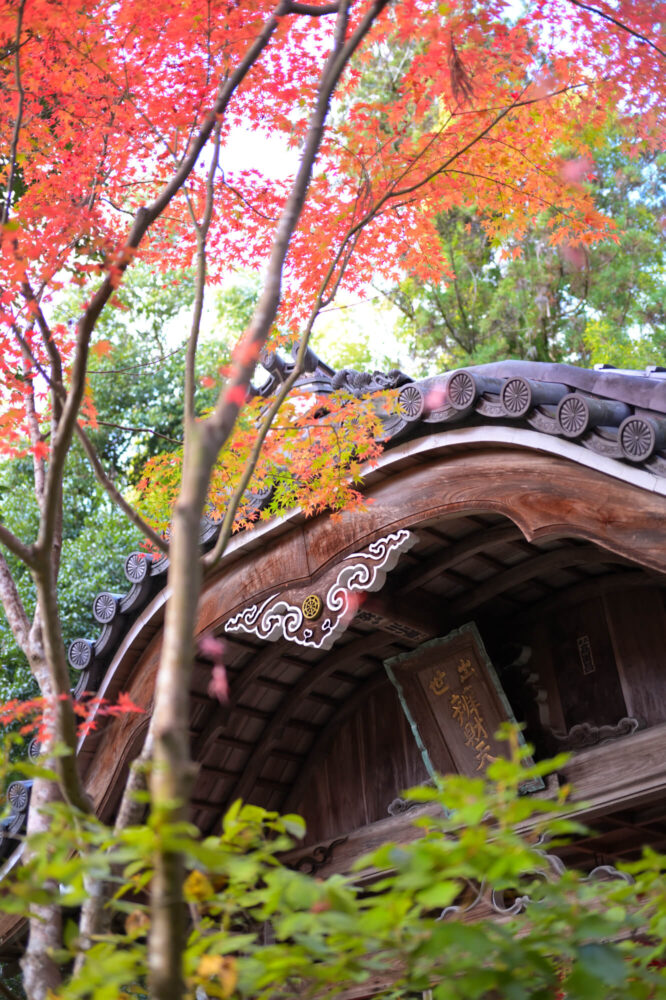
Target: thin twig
[
  {"x": 136, "y": 368},
  {"x": 36, "y": 437},
  {"x": 619, "y": 24},
  {"x": 248, "y": 204},
  {"x": 201, "y": 230},
  {"x": 115, "y": 493},
  {"x": 140, "y": 430},
  {"x": 13, "y": 150}
]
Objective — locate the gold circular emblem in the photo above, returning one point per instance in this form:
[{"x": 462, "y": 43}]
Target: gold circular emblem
[{"x": 312, "y": 607}]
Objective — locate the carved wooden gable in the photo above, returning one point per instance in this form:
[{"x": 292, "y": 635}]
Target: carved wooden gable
[{"x": 317, "y": 614}]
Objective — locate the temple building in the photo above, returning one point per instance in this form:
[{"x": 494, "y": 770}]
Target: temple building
[{"x": 511, "y": 565}]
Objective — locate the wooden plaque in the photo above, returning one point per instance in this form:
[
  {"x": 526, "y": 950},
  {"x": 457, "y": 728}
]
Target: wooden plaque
[{"x": 455, "y": 703}]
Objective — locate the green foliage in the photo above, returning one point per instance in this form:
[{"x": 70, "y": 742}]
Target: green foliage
[
  {"x": 295, "y": 463},
  {"x": 136, "y": 381},
  {"x": 258, "y": 929},
  {"x": 530, "y": 298}
]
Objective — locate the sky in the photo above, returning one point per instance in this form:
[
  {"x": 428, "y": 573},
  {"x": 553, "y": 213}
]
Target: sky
[{"x": 350, "y": 321}]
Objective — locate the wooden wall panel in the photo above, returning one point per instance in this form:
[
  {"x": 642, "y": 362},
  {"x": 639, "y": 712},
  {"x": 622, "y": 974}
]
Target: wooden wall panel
[
  {"x": 638, "y": 629},
  {"x": 585, "y": 667},
  {"x": 372, "y": 759}
]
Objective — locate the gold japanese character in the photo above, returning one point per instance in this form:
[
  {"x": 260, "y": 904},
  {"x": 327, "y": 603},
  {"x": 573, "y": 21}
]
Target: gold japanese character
[
  {"x": 438, "y": 683},
  {"x": 474, "y": 730},
  {"x": 483, "y": 755},
  {"x": 459, "y": 708},
  {"x": 465, "y": 669}
]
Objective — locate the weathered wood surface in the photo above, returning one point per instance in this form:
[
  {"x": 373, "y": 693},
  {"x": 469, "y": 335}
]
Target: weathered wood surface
[
  {"x": 584, "y": 661},
  {"x": 369, "y": 759},
  {"x": 624, "y": 773},
  {"x": 638, "y": 630},
  {"x": 544, "y": 496},
  {"x": 629, "y": 772}
]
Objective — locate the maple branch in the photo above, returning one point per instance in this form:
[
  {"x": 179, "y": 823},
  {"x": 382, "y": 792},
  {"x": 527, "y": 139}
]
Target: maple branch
[
  {"x": 511, "y": 187},
  {"x": 231, "y": 399},
  {"x": 392, "y": 194},
  {"x": 312, "y": 10},
  {"x": 98, "y": 468},
  {"x": 526, "y": 102},
  {"x": 201, "y": 230},
  {"x": 45, "y": 330},
  {"x": 23, "y": 552},
  {"x": 140, "y": 430},
  {"x": 143, "y": 219},
  {"x": 400, "y": 193},
  {"x": 225, "y": 414},
  {"x": 226, "y": 528},
  {"x": 619, "y": 24},
  {"x": 13, "y": 150},
  {"x": 248, "y": 204},
  {"x": 36, "y": 437},
  {"x": 115, "y": 493},
  {"x": 13, "y": 606}
]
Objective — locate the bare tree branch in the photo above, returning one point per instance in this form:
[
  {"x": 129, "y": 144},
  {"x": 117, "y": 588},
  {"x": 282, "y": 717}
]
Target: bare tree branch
[
  {"x": 13, "y": 606},
  {"x": 619, "y": 24},
  {"x": 115, "y": 493},
  {"x": 13, "y": 149},
  {"x": 140, "y": 430},
  {"x": 23, "y": 552},
  {"x": 135, "y": 368}
]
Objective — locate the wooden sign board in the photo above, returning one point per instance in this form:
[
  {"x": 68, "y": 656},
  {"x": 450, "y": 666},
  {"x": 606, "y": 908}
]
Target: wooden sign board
[{"x": 455, "y": 703}]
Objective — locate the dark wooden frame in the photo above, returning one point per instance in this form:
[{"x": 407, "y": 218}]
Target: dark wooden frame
[{"x": 455, "y": 703}]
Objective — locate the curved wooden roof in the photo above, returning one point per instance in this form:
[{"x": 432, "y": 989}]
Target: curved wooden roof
[
  {"x": 509, "y": 522},
  {"x": 611, "y": 421}
]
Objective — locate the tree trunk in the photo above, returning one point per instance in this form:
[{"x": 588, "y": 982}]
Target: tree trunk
[
  {"x": 172, "y": 768},
  {"x": 41, "y": 975}
]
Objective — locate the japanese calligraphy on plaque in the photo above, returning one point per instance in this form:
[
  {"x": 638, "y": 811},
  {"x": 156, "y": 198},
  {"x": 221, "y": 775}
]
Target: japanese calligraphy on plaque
[{"x": 455, "y": 703}]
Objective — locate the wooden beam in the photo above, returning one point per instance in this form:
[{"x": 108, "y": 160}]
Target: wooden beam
[
  {"x": 389, "y": 613},
  {"x": 621, "y": 774},
  {"x": 548, "y": 562},
  {"x": 591, "y": 587},
  {"x": 456, "y": 553}
]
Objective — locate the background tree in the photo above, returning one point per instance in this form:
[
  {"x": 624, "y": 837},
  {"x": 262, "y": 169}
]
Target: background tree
[{"x": 527, "y": 298}]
